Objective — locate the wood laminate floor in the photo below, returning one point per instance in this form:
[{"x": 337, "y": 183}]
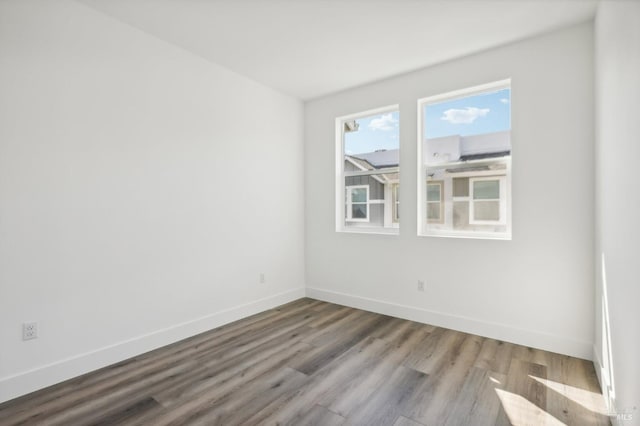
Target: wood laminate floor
[{"x": 316, "y": 363}]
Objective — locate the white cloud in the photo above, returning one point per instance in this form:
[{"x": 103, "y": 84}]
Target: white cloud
[
  {"x": 384, "y": 122},
  {"x": 464, "y": 116},
  {"x": 504, "y": 100}
]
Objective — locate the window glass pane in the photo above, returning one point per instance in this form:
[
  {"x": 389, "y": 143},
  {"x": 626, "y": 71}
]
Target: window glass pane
[
  {"x": 486, "y": 210},
  {"x": 465, "y": 146},
  {"x": 359, "y": 195},
  {"x": 378, "y": 133},
  {"x": 486, "y": 190},
  {"x": 359, "y": 211},
  {"x": 370, "y": 145},
  {"x": 433, "y": 211},
  {"x": 433, "y": 192}
]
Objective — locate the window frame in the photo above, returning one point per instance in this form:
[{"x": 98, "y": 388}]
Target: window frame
[
  {"x": 440, "y": 184},
  {"x": 349, "y": 203},
  {"x": 502, "y": 211},
  {"x": 340, "y": 186},
  {"x": 423, "y": 175}
]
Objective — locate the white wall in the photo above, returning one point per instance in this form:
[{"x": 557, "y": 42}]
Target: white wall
[
  {"x": 537, "y": 289},
  {"x": 142, "y": 192},
  {"x": 617, "y": 42}
]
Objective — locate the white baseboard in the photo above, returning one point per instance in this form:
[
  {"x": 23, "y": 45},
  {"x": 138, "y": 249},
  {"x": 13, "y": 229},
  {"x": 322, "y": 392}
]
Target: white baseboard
[
  {"x": 597, "y": 365},
  {"x": 547, "y": 342},
  {"x": 46, "y": 375}
]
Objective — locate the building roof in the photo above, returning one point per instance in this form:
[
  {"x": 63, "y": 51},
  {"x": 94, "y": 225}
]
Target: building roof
[
  {"x": 459, "y": 148},
  {"x": 365, "y": 165},
  {"x": 359, "y": 162},
  {"x": 380, "y": 158}
]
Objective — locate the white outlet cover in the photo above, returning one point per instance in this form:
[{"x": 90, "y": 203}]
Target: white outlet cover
[{"x": 29, "y": 330}]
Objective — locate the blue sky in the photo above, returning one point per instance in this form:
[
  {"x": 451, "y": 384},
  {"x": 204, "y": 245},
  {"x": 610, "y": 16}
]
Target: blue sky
[
  {"x": 472, "y": 115},
  {"x": 380, "y": 131}
]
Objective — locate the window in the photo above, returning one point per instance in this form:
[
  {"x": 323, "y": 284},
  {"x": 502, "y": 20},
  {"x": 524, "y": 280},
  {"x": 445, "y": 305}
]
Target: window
[
  {"x": 358, "y": 203},
  {"x": 367, "y": 170},
  {"x": 464, "y": 161},
  {"x": 487, "y": 205},
  {"x": 434, "y": 202}
]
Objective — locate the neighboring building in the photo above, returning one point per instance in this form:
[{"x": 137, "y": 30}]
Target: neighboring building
[
  {"x": 372, "y": 200},
  {"x": 466, "y": 184}
]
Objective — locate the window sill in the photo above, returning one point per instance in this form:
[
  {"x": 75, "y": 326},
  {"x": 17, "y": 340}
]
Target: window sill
[
  {"x": 375, "y": 231},
  {"x": 472, "y": 236}
]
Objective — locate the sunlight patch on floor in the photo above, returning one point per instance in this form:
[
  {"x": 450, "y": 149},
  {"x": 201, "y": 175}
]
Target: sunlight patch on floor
[
  {"x": 592, "y": 401},
  {"x": 522, "y": 412}
]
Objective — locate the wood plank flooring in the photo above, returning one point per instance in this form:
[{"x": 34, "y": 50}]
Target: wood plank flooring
[{"x": 316, "y": 363}]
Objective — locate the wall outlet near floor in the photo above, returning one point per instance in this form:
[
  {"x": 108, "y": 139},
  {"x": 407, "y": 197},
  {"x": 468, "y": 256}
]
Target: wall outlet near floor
[
  {"x": 29, "y": 330},
  {"x": 420, "y": 285},
  {"x": 263, "y": 279}
]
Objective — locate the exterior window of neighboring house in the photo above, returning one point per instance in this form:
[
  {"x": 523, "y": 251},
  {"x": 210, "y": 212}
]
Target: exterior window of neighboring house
[
  {"x": 464, "y": 151},
  {"x": 368, "y": 173},
  {"x": 488, "y": 204},
  {"x": 358, "y": 203},
  {"x": 434, "y": 202}
]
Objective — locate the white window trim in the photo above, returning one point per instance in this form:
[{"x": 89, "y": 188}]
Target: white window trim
[
  {"x": 502, "y": 183},
  {"x": 349, "y": 203},
  {"x": 422, "y": 224},
  {"x": 340, "y": 187}
]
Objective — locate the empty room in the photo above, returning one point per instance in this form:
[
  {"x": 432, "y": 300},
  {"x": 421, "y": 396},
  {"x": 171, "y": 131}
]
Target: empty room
[{"x": 319, "y": 212}]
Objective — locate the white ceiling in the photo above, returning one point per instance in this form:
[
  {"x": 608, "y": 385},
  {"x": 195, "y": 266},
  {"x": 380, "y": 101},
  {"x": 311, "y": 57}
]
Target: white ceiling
[{"x": 310, "y": 48}]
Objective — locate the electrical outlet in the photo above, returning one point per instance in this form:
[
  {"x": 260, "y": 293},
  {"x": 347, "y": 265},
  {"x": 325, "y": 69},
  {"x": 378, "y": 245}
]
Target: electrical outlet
[
  {"x": 263, "y": 279},
  {"x": 420, "y": 285},
  {"x": 29, "y": 330}
]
